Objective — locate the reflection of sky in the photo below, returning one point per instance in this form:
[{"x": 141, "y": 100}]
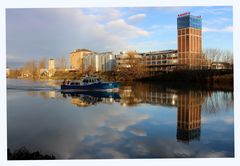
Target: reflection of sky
[{"x": 110, "y": 131}]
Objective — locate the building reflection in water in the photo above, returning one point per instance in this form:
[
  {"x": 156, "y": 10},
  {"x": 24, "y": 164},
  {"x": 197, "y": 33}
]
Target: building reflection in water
[
  {"x": 189, "y": 116},
  {"x": 52, "y": 94},
  {"x": 146, "y": 93},
  {"x": 46, "y": 94},
  {"x": 188, "y": 103}
]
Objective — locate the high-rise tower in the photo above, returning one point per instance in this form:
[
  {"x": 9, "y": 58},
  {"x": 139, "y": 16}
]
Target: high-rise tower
[{"x": 189, "y": 29}]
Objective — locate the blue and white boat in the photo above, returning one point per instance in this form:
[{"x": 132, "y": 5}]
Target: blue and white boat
[{"x": 89, "y": 83}]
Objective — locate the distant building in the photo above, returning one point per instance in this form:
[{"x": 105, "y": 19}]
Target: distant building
[
  {"x": 99, "y": 62},
  {"x": 221, "y": 65},
  {"x": 189, "y": 30},
  {"x": 160, "y": 60},
  {"x": 51, "y": 64},
  {"x": 8, "y": 72},
  {"x": 76, "y": 58},
  {"x": 51, "y": 67},
  {"x": 43, "y": 72}
]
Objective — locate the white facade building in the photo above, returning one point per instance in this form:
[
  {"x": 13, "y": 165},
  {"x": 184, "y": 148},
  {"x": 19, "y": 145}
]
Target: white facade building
[
  {"x": 51, "y": 64},
  {"x": 99, "y": 62},
  {"x": 51, "y": 67}
]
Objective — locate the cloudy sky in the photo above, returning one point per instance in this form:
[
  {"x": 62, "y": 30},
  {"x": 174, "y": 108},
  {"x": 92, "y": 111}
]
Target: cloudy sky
[{"x": 55, "y": 32}]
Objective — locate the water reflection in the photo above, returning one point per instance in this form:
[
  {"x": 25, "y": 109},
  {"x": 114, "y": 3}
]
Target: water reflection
[
  {"x": 143, "y": 120},
  {"x": 189, "y": 115},
  {"x": 188, "y": 103},
  {"x": 87, "y": 98}
]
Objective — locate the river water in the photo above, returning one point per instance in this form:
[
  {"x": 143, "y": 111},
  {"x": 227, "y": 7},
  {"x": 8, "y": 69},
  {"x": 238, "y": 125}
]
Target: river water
[{"x": 142, "y": 120}]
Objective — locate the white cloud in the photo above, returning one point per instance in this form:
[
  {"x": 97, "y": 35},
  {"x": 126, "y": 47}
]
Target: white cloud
[
  {"x": 229, "y": 120},
  {"x": 122, "y": 29},
  {"x": 219, "y": 21},
  {"x": 163, "y": 27},
  {"x": 67, "y": 29},
  {"x": 138, "y": 132},
  {"x": 228, "y": 29},
  {"x": 211, "y": 154},
  {"x": 225, "y": 29},
  {"x": 104, "y": 15},
  {"x": 113, "y": 153},
  {"x": 154, "y": 45},
  {"x": 136, "y": 18},
  {"x": 213, "y": 11}
]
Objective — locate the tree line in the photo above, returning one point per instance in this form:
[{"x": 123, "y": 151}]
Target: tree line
[
  {"x": 32, "y": 68},
  {"x": 131, "y": 68}
]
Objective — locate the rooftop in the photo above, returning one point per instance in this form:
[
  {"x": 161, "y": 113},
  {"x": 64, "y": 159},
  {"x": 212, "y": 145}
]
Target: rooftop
[
  {"x": 82, "y": 49},
  {"x": 160, "y": 52}
]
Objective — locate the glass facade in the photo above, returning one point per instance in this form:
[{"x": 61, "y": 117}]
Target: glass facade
[{"x": 189, "y": 21}]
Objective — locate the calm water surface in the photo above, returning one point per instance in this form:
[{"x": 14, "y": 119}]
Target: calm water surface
[{"x": 143, "y": 120}]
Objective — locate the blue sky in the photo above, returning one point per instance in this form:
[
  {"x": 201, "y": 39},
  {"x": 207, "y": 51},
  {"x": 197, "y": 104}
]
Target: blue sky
[{"x": 52, "y": 32}]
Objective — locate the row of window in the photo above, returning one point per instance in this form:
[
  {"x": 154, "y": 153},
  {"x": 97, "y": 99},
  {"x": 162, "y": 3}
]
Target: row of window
[
  {"x": 162, "y": 56},
  {"x": 161, "y": 62}
]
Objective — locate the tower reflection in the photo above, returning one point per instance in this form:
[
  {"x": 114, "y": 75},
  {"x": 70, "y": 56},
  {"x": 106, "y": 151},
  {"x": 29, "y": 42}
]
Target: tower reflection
[{"x": 189, "y": 115}]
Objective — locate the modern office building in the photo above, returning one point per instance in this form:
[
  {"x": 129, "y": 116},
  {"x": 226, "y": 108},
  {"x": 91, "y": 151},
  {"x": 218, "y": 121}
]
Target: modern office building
[
  {"x": 99, "y": 62},
  {"x": 51, "y": 67},
  {"x": 51, "y": 64},
  {"x": 76, "y": 59},
  {"x": 189, "y": 32},
  {"x": 160, "y": 60}
]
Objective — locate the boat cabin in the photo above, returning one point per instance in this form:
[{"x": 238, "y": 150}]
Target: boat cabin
[
  {"x": 85, "y": 80},
  {"x": 88, "y": 80}
]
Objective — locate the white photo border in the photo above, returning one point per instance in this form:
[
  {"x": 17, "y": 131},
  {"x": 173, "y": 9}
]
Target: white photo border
[{"x": 119, "y": 3}]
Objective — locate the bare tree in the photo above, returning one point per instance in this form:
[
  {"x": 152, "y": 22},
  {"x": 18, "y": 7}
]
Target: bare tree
[
  {"x": 61, "y": 62},
  {"x": 42, "y": 63},
  {"x": 131, "y": 68},
  {"x": 89, "y": 70},
  {"x": 218, "y": 55},
  {"x": 228, "y": 57},
  {"x": 30, "y": 69}
]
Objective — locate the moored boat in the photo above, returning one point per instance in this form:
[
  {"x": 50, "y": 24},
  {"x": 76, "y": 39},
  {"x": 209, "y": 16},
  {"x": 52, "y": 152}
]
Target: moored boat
[{"x": 89, "y": 83}]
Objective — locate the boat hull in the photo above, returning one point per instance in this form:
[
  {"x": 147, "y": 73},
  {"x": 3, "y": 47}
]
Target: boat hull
[{"x": 92, "y": 87}]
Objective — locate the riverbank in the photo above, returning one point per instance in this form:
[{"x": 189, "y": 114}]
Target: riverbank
[{"x": 209, "y": 78}]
